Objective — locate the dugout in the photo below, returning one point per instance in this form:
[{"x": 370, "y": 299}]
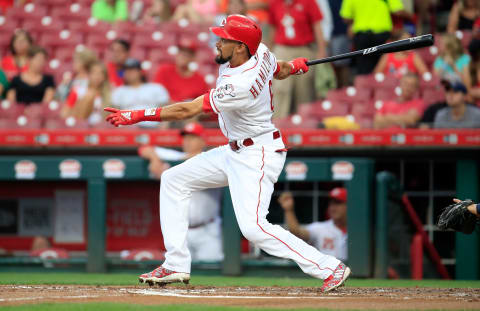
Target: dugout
[{"x": 431, "y": 174}]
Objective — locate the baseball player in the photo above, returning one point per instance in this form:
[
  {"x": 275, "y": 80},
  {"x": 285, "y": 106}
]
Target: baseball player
[
  {"x": 204, "y": 237},
  {"x": 329, "y": 237},
  {"x": 249, "y": 164}
]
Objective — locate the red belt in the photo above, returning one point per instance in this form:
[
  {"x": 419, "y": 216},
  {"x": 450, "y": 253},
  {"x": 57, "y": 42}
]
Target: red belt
[{"x": 248, "y": 141}]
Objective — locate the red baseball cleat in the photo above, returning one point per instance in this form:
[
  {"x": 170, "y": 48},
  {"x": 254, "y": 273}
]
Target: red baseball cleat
[
  {"x": 337, "y": 279},
  {"x": 162, "y": 276}
]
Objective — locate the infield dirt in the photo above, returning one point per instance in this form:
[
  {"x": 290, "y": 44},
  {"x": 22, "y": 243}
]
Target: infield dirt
[{"x": 279, "y": 297}]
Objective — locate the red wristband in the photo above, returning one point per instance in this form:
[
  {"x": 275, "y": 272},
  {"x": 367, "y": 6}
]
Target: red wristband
[{"x": 150, "y": 114}]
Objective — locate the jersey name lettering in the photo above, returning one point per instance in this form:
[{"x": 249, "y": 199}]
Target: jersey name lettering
[{"x": 262, "y": 75}]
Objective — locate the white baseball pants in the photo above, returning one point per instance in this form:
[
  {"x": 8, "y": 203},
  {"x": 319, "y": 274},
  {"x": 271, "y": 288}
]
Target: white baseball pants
[{"x": 250, "y": 174}]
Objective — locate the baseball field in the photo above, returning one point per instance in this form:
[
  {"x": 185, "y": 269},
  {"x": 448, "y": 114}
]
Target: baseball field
[{"x": 78, "y": 291}]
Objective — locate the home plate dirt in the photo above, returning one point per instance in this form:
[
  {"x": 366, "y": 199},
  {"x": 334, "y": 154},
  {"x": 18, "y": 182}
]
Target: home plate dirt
[{"x": 281, "y": 297}]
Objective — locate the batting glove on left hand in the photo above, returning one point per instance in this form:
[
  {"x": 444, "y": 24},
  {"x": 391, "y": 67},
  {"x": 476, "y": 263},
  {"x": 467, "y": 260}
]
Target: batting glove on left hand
[
  {"x": 123, "y": 117},
  {"x": 299, "y": 66}
]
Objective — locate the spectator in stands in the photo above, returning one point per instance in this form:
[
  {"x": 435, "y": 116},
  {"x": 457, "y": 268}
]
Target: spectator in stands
[
  {"x": 160, "y": 11},
  {"x": 204, "y": 236},
  {"x": 330, "y": 236},
  {"x": 82, "y": 61},
  {"x": 110, "y": 10},
  {"x": 120, "y": 51},
  {"x": 297, "y": 33},
  {"x": 174, "y": 77},
  {"x": 88, "y": 103},
  {"x": 429, "y": 114},
  {"x": 452, "y": 64},
  {"x": 258, "y": 9},
  {"x": 371, "y": 25},
  {"x": 33, "y": 85},
  {"x": 3, "y": 84},
  {"x": 197, "y": 11},
  {"x": 136, "y": 94},
  {"x": 404, "y": 112},
  {"x": 463, "y": 15},
  {"x": 400, "y": 63},
  {"x": 16, "y": 62},
  {"x": 458, "y": 114},
  {"x": 474, "y": 70},
  {"x": 340, "y": 43}
]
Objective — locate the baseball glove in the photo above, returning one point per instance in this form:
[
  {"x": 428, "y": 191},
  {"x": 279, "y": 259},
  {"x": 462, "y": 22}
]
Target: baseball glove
[{"x": 457, "y": 217}]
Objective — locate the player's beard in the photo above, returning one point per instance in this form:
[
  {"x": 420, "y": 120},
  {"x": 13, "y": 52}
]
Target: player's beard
[{"x": 219, "y": 59}]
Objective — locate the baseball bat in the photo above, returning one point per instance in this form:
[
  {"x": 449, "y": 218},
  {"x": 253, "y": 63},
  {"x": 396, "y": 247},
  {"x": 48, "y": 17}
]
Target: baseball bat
[{"x": 395, "y": 46}]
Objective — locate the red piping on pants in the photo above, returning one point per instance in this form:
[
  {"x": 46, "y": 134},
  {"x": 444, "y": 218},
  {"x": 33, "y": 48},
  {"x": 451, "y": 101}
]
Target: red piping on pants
[{"x": 258, "y": 204}]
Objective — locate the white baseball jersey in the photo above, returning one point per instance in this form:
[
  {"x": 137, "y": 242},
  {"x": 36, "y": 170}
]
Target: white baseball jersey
[
  {"x": 243, "y": 96},
  {"x": 328, "y": 238}
]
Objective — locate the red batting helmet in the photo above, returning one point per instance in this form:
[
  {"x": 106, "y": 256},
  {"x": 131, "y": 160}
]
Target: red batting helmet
[{"x": 240, "y": 28}]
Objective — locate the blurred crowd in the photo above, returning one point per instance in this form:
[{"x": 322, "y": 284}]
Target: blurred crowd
[{"x": 63, "y": 61}]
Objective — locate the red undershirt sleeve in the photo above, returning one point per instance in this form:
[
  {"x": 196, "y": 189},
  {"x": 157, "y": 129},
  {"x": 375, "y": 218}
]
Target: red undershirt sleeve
[{"x": 207, "y": 106}]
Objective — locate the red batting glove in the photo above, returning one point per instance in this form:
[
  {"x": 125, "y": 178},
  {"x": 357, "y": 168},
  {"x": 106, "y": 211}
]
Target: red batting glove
[
  {"x": 123, "y": 117},
  {"x": 128, "y": 117},
  {"x": 299, "y": 66}
]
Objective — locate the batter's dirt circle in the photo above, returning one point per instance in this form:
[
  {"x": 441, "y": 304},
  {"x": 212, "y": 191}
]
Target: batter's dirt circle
[{"x": 276, "y": 296}]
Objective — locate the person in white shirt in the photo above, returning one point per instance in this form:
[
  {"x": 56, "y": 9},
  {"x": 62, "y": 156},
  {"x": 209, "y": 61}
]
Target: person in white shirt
[
  {"x": 204, "y": 237},
  {"x": 330, "y": 236},
  {"x": 136, "y": 94},
  {"x": 249, "y": 164}
]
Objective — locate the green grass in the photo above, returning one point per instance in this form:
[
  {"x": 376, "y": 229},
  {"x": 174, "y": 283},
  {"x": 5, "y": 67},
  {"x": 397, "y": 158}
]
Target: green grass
[{"x": 131, "y": 279}]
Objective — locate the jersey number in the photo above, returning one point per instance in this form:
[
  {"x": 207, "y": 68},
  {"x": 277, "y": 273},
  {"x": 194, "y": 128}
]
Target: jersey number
[{"x": 271, "y": 94}]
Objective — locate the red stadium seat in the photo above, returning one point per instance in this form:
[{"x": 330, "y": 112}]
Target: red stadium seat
[
  {"x": 11, "y": 110},
  {"x": 329, "y": 108},
  {"x": 8, "y": 25},
  {"x": 68, "y": 123},
  {"x": 363, "y": 109},
  {"x": 34, "y": 111},
  {"x": 74, "y": 11},
  {"x": 28, "y": 11},
  {"x": 429, "y": 81},
  {"x": 131, "y": 28},
  {"x": 89, "y": 26},
  {"x": 350, "y": 94},
  {"x": 385, "y": 94},
  {"x": 138, "y": 53},
  {"x": 64, "y": 38},
  {"x": 157, "y": 39},
  {"x": 158, "y": 56},
  {"x": 296, "y": 121},
  {"x": 27, "y": 122},
  {"x": 51, "y": 110},
  {"x": 429, "y": 54},
  {"x": 102, "y": 41},
  {"x": 45, "y": 25}
]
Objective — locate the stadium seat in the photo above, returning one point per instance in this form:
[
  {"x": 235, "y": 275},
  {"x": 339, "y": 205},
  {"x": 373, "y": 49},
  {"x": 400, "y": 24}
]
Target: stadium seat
[
  {"x": 26, "y": 12},
  {"x": 350, "y": 94},
  {"x": 88, "y": 27},
  {"x": 50, "y": 253},
  {"x": 131, "y": 28},
  {"x": 385, "y": 94},
  {"x": 158, "y": 56},
  {"x": 10, "y": 110},
  {"x": 428, "y": 55},
  {"x": 429, "y": 81},
  {"x": 51, "y": 110},
  {"x": 296, "y": 121},
  {"x": 102, "y": 41},
  {"x": 329, "y": 108},
  {"x": 45, "y": 25},
  {"x": 68, "y": 123},
  {"x": 72, "y": 12},
  {"x": 363, "y": 109},
  {"x": 138, "y": 53},
  {"x": 25, "y": 122},
  {"x": 157, "y": 39},
  {"x": 63, "y": 38},
  {"x": 34, "y": 111},
  {"x": 8, "y": 25}
]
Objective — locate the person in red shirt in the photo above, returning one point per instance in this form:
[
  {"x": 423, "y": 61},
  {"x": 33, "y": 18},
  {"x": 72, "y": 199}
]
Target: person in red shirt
[
  {"x": 406, "y": 111},
  {"x": 16, "y": 62},
  {"x": 297, "y": 33},
  {"x": 400, "y": 63},
  {"x": 182, "y": 83},
  {"x": 120, "y": 53}
]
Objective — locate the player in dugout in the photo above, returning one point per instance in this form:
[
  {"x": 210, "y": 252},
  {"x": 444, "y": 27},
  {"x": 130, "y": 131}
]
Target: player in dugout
[
  {"x": 249, "y": 164},
  {"x": 204, "y": 237},
  {"x": 330, "y": 236}
]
